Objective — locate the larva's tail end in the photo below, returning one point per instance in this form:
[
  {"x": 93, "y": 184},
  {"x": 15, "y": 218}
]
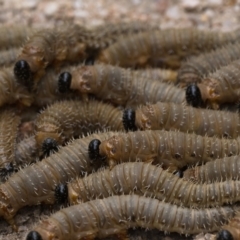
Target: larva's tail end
[
  {"x": 193, "y": 95},
  {"x": 33, "y": 235},
  {"x": 64, "y": 82},
  {"x": 224, "y": 235},
  {"x": 23, "y": 74},
  {"x": 128, "y": 119},
  {"x": 61, "y": 193},
  {"x": 49, "y": 146},
  {"x": 93, "y": 150}
]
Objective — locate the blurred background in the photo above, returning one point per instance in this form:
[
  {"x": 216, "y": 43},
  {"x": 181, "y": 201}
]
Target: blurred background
[{"x": 217, "y": 14}]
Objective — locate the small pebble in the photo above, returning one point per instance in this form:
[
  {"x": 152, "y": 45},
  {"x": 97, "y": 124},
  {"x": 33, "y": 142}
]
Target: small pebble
[{"x": 51, "y": 8}]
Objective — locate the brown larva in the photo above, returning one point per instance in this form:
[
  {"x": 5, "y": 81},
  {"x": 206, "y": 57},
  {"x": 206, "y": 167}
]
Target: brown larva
[
  {"x": 35, "y": 184},
  {"x": 50, "y": 47},
  {"x": 170, "y": 116},
  {"x": 11, "y": 91},
  {"x": 104, "y": 35},
  {"x": 14, "y": 36},
  {"x": 9, "y": 123},
  {"x": 26, "y": 151},
  {"x": 162, "y": 48},
  {"x": 66, "y": 119},
  {"x": 8, "y": 57},
  {"x": 37, "y": 53},
  {"x": 171, "y": 149},
  {"x": 230, "y": 231},
  {"x": 119, "y": 86},
  {"x": 159, "y": 74},
  {"x": 222, "y": 86},
  {"x": 47, "y": 92},
  {"x": 218, "y": 170},
  {"x": 195, "y": 68},
  {"x": 148, "y": 180},
  {"x": 114, "y": 215}
]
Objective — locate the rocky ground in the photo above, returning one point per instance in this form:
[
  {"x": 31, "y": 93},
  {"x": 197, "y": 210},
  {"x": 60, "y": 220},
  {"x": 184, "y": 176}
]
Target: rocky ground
[
  {"x": 216, "y": 14},
  {"x": 205, "y": 14}
]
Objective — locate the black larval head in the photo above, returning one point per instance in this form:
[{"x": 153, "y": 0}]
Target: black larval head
[
  {"x": 61, "y": 193},
  {"x": 49, "y": 145},
  {"x": 33, "y": 235},
  {"x": 128, "y": 119},
  {"x": 193, "y": 95},
  {"x": 224, "y": 235},
  {"x": 93, "y": 149},
  {"x": 64, "y": 82},
  {"x": 23, "y": 74}
]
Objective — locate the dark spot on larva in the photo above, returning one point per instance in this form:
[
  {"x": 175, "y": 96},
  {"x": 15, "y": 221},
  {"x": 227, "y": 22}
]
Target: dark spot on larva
[
  {"x": 64, "y": 82},
  {"x": 238, "y": 106},
  {"x": 224, "y": 235},
  {"x": 61, "y": 193},
  {"x": 49, "y": 146},
  {"x": 193, "y": 95},
  {"x": 179, "y": 173},
  {"x": 226, "y": 135},
  {"x": 23, "y": 74},
  {"x": 93, "y": 150},
  {"x": 133, "y": 219},
  {"x": 211, "y": 155},
  {"x": 90, "y": 61},
  {"x": 7, "y": 170},
  {"x": 193, "y": 154},
  {"x": 9, "y": 167},
  {"x": 33, "y": 235},
  {"x": 177, "y": 155},
  {"x": 129, "y": 120}
]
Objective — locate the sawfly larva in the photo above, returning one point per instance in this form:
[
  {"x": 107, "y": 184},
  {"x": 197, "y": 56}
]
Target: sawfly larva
[
  {"x": 148, "y": 180},
  {"x": 14, "y": 36},
  {"x": 35, "y": 184},
  {"x": 162, "y": 48},
  {"x": 222, "y": 86},
  {"x": 50, "y": 47},
  {"x": 119, "y": 86},
  {"x": 37, "y": 53},
  {"x": 198, "y": 67},
  {"x": 171, "y": 149},
  {"x": 114, "y": 215},
  {"x": 47, "y": 93},
  {"x": 66, "y": 119},
  {"x": 8, "y": 57},
  {"x": 9, "y": 123},
  {"x": 158, "y": 74},
  {"x": 106, "y": 34},
  {"x": 26, "y": 151},
  {"x": 218, "y": 170},
  {"x": 170, "y": 116}
]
